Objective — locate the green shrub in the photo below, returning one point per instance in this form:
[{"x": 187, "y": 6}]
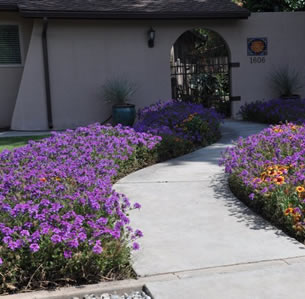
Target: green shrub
[{"x": 61, "y": 221}]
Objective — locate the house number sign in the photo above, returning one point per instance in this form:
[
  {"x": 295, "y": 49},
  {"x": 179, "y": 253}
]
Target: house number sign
[{"x": 257, "y": 49}]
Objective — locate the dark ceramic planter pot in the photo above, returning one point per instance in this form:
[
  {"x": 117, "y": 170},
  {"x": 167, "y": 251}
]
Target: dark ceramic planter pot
[
  {"x": 291, "y": 97},
  {"x": 124, "y": 114}
]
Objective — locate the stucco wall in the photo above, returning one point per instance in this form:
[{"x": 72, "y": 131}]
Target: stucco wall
[
  {"x": 10, "y": 75},
  {"x": 85, "y": 53}
]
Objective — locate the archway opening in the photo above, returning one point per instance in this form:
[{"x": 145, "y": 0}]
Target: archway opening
[{"x": 200, "y": 69}]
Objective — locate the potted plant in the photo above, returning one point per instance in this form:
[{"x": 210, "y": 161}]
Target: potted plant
[
  {"x": 286, "y": 82},
  {"x": 119, "y": 91}
]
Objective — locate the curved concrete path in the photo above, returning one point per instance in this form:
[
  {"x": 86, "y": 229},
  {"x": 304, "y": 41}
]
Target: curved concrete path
[{"x": 196, "y": 233}]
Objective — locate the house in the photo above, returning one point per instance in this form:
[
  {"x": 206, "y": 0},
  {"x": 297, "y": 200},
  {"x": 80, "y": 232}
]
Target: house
[{"x": 55, "y": 55}]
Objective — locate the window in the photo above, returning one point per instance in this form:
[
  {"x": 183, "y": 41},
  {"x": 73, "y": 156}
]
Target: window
[{"x": 9, "y": 45}]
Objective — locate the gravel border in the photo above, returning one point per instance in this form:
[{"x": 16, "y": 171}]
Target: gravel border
[{"x": 133, "y": 295}]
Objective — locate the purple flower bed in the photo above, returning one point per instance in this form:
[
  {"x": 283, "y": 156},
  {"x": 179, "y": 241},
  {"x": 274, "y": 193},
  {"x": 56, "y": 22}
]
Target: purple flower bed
[
  {"x": 274, "y": 111},
  {"x": 61, "y": 221},
  {"x": 267, "y": 171},
  {"x": 183, "y": 126}
]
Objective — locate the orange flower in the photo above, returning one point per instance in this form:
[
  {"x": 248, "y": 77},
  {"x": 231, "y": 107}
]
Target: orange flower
[
  {"x": 263, "y": 175},
  {"x": 43, "y": 180},
  {"x": 257, "y": 180},
  {"x": 294, "y": 127},
  {"x": 288, "y": 211},
  {"x": 300, "y": 189},
  {"x": 273, "y": 172},
  {"x": 280, "y": 180},
  {"x": 277, "y": 130}
]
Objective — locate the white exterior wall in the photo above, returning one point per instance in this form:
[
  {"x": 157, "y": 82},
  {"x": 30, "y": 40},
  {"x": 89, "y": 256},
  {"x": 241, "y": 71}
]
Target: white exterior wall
[
  {"x": 10, "y": 75},
  {"x": 83, "y": 54}
]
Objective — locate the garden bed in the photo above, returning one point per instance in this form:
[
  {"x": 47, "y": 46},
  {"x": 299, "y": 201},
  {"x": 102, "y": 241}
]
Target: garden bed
[
  {"x": 267, "y": 172},
  {"x": 184, "y": 127},
  {"x": 274, "y": 111},
  {"x": 61, "y": 221}
]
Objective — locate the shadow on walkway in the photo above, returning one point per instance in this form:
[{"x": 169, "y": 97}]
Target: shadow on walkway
[{"x": 240, "y": 211}]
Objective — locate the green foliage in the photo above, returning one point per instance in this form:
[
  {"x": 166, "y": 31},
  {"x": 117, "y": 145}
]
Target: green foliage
[
  {"x": 48, "y": 268},
  {"x": 271, "y": 5},
  {"x": 172, "y": 147},
  {"x": 196, "y": 126},
  {"x": 296, "y": 4},
  {"x": 208, "y": 85},
  {"x": 205, "y": 84},
  {"x": 27, "y": 270},
  {"x": 215, "y": 45},
  {"x": 52, "y": 240},
  {"x": 118, "y": 90}
]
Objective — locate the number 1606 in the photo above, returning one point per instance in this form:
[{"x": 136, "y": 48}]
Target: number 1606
[{"x": 257, "y": 59}]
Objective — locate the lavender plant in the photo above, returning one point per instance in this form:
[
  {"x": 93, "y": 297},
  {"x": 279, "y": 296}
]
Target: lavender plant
[{"x": 61, "y": 221}]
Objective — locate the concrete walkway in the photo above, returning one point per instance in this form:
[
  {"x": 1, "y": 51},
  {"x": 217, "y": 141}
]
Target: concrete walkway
[{"x": 201, "y": 239}]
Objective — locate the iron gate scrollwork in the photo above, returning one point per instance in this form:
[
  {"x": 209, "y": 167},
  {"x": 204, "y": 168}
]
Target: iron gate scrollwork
[{"x": 200, "y": 70}]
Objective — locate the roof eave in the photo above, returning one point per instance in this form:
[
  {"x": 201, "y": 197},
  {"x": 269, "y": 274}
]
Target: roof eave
[
  {"x": 8, "y": 7},
  {"x": 129, "y": 15}
]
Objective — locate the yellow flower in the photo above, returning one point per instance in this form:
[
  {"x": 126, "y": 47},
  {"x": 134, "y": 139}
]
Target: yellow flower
[
  {"x": 263, "y": 175},
  {"x": 294, "y": 127},
  {"x": 300, "y": 189},
  {"x": 278, "y": 130},
  {"x": 279, "y": 180},
  {"x": 271, "y": 168}
]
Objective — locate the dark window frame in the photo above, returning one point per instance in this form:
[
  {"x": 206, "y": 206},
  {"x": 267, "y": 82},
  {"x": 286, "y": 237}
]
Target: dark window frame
[{"x": 16, "y": 59}]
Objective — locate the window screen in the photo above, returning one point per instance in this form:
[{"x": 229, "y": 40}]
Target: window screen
[{"x": 9, "y": 45}]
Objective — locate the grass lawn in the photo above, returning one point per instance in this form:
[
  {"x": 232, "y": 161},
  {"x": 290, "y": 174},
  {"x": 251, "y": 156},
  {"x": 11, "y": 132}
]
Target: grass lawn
[{"x": 13, "y": 142}]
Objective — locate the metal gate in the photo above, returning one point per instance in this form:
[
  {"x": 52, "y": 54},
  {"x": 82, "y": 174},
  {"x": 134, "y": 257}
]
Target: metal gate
[{"x": 201, "y": 73}]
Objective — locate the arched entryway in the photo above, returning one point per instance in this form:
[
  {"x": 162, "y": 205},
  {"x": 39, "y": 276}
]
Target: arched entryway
[{"x": 200, "y": 69}]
